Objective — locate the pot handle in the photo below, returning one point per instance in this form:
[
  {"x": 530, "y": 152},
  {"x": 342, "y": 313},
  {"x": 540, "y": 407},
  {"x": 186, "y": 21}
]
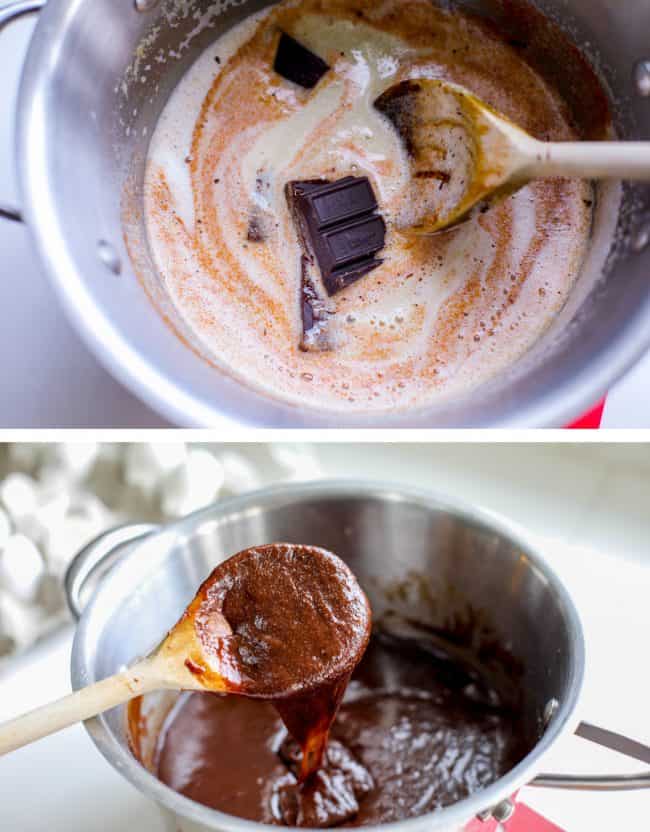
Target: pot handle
[
  {"x": 607, "y": 782},
  {"x": 503, "y": 811},
  {"x": 10, "y": 10},
  {"x": 96, "y": 558}
]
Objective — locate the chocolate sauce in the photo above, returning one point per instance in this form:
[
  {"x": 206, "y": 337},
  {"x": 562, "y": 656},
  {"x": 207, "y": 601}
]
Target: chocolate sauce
[
  {"x": 288, "y": 623},
  {"x": 417, "y": 730}
]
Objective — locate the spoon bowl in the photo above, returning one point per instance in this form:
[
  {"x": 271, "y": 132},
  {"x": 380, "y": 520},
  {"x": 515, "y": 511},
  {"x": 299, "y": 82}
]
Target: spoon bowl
[
  {"x": 464, "y": 155},
  {"x": 285, "y": 622}
]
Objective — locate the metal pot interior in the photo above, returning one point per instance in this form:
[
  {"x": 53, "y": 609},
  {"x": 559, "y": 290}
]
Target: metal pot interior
[
  {"x": 444, "y": 566},
  {"x": 90, "y": 101}
]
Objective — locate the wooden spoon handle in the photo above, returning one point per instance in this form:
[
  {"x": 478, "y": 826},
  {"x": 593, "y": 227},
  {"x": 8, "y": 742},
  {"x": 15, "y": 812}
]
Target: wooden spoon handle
[
  {"x": 591, "y": 160},
  {"x": 80, "y": 705}
]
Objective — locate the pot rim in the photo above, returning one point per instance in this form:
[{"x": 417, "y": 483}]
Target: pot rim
[
  {"x": 550, "y": 407},
  {"x": 563, "y": 723}
]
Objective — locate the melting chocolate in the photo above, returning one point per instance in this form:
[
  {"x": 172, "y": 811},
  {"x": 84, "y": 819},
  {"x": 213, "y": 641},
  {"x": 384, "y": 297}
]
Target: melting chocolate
[
  {"x": 396, "y": 104},
  {"x": 256, "y": 232},
  {"x": 296, "y": 63},
  {"x": 315, "y": 314}
]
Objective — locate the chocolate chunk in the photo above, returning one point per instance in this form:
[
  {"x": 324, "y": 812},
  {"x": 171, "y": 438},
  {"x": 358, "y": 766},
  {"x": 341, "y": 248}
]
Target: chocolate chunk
[
  {"x": 297, "y": 63},
  {"x": 254, "y": 233},
  {"x": 342, "y": 200},
  {"x": 315, "y": 337},
  {"x": 257, "y": 219},
  {"x": 398, "y": 105},
  {"x": 314, "y": 309},
  {"x": 341, "y": 279},
  {"x": 337, "y": 224},
  {"x": 346, "y": 244}
]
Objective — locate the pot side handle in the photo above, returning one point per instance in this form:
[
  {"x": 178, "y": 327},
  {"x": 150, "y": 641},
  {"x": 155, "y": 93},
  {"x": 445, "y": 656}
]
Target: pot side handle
[
  {"x": 607, "y": 782},
  {"x": 96, "y": 558},
  {"x": 11, "y": 10}
]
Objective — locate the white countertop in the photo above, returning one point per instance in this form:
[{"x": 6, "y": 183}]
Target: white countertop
[
  {"x": 586, "y": 506},
  {"x": 49, "y": 378}
]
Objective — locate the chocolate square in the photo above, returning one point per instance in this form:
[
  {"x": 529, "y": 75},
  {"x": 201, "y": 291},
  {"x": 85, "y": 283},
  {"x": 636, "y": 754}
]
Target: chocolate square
[
  {"x": 338, "y": 225},
  {"x": 296, "y": 63}
]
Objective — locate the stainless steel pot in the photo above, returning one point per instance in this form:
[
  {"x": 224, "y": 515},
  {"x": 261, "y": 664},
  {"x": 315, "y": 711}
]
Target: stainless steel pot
[
  {"x": 96, "y": 77},
  {"x": 391, "y": 537}
]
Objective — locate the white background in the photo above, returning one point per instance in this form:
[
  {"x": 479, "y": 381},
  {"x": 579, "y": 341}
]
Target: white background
[
  {"x": 586, "y": 506},
  {"x": 48, "y": 377}
]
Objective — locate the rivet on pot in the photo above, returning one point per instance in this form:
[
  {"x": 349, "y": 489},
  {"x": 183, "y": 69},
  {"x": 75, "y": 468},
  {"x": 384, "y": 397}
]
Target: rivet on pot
[
  {"x": 642, "y": 77},
  {"x": 145, "y": 5},
  {"x": 503, "y": 811},
  {"x": 500, "y": 813},
  {"x": 108, "y": 256},
  {"x": 640, "y": 239},
  {"x": 550, "y": 710}
]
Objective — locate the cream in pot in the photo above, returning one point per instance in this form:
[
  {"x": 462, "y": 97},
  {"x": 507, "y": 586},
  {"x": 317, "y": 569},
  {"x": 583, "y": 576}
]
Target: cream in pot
[{"x": 440, "y": 315}]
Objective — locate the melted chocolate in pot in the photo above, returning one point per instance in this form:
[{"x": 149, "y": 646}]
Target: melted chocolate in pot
[{"x": 415, "y": 732}]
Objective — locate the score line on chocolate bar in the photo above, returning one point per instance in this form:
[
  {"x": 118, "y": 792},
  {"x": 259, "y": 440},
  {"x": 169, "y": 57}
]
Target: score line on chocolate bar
[{"x": 337, "y": 222}]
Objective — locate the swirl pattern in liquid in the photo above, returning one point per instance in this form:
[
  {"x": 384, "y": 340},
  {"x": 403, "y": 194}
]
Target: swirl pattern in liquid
[{"x": 441, "y": 314}]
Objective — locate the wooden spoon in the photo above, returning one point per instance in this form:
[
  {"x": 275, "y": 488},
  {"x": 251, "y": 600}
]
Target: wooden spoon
[
  {"x": 465, "y": 155},
  {"x": 279, "y": 622}
]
